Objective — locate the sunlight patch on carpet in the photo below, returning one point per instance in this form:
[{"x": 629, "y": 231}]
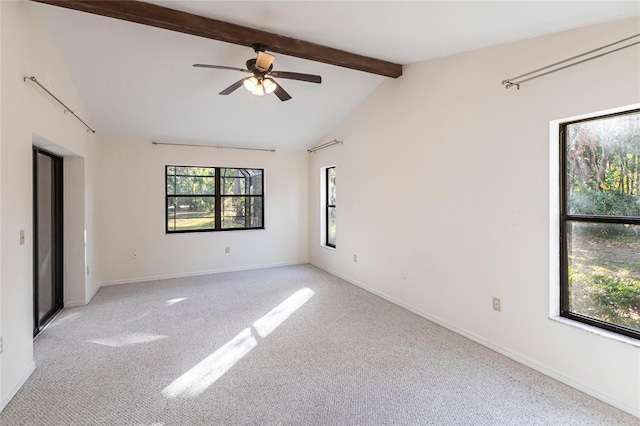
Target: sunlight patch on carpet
[
  {"x": 265, "y": 325},
  {"x": 209, "y": 370},
  {"x": 63, "y": 319},
  {"x": 174, "y": 301},
  {"x": 128, "y": 339}
]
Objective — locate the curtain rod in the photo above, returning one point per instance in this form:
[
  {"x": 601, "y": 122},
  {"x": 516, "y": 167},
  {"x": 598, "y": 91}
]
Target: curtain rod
[
  {"x": 510, "y": 82},
  {"x": 325, "y": 145},
  {"x": 215, "y": 146},
  {"x": 66, "y": 108}
]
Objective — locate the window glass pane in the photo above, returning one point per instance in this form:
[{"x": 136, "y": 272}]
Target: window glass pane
[
  {"x": 255, "y": 180},
  {"x": 255, "y": 212},
  {"x": 241, "y": 181},
  {"x": 233, "y": 172},
  {"x": 241, "y": 212},
  {"x": 331, "y": 231},
  {"x": 171, "y": 208},
  {"x": 233, "y": 214},
  {"x": 190, "y": 180},
  {"x": 186, "y": 185},
  {"x": 190, "y": 213},
  {"x": 604, "y": 272},
  {"x": 171, "y": 182},
  {"x": 332, "y": 186},
  {"x": 603, "y": 166},
  {"x": 234, "y": 186},
  {"x": 228, "y": 172},
  {"x": 193, "y": 171}
]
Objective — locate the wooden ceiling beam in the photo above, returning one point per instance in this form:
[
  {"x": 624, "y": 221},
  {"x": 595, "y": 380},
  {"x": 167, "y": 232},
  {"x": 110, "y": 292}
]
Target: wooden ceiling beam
[{"x": 170, "y": 19}]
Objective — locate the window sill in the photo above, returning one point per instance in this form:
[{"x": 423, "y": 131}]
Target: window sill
[
  {"x": 595, "y": 330},
  {"x": 327, "y": 247}
]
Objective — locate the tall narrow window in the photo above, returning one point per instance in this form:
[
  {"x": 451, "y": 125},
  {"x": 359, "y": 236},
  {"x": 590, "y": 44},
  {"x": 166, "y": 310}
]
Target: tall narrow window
[
  {"x": 331, "y": 207},
  {"x": 600, "y": 222},
  {"x": 213, "y": 199}
]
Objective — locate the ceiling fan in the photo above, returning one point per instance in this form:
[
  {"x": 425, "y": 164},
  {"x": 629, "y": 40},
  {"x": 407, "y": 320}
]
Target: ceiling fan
[{"x": 262, "y": 81}]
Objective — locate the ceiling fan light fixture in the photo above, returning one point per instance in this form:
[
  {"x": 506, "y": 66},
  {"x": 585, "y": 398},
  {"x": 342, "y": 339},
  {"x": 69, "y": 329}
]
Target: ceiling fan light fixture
[
  {"x": 259, "y": 90},
  {"x": 251, "y": 84},
  {"x": 261, "y": 82},
  {"x": 269, "y": 85}
]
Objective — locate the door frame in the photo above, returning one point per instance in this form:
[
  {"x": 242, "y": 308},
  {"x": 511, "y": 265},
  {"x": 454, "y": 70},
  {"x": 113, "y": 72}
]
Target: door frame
[{"x": 58, "y": 246}]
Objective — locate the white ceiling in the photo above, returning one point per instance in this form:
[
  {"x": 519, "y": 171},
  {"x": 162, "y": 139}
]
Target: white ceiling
[{"x": 138, "y": 82}]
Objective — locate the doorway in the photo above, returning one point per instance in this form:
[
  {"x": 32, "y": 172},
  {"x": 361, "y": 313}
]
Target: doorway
[{"x": 47, "y": 242}]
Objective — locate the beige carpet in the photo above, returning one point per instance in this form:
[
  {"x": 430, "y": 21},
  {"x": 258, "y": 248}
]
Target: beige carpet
[{"x": 291, "y": 345}]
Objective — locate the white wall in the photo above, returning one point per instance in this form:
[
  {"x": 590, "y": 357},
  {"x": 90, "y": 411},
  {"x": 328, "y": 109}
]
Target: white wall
[
  {"x": 0, "y": 204},
  {"x": 74, "y": 249},
  {"x": 29, "y": 117},
  {"x": 445, "y": 174},
  {"x": 132, "y": 214}
]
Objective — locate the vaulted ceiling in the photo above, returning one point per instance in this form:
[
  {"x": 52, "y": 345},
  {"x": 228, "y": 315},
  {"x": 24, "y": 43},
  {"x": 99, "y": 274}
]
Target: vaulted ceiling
[{"x": 138, "y": 82}]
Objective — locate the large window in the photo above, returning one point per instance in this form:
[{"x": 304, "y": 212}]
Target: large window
[
  {"x": 330, "y": 206},
  {"x": 213, "y": 199},
  {"x": 600, "y": 222}
]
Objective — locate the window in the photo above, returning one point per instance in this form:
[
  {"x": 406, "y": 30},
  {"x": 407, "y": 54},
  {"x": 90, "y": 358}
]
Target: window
[
  {"x": 330, "y": 207},
  {"x": 600, "y": 222},
  {"x": 213, "y": 199}
]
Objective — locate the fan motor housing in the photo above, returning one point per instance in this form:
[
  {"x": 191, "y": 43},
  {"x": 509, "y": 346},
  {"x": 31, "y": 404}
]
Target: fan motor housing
[{"x": 251, "y": 66}]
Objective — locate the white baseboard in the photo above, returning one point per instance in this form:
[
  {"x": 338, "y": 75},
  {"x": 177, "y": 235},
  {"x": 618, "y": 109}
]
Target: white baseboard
[
  {"x": 554, "y": 374},
  {"x": 18, "y": 385},
  {"x": 77, "y": 303},
  {"x": 90, "y": 296},
  {"x": 199, "y": 273}
]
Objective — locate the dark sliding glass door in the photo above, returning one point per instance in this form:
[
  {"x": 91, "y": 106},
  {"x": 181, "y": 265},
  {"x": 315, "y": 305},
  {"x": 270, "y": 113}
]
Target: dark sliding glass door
[{"x": 47, "y": 242}]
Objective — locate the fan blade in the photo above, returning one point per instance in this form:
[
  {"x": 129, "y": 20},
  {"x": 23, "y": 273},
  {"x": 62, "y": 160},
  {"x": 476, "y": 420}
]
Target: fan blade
[
  {"x": 281, "y": 93},
  {"x": 233, "y": 87},
  {"x": 220, "y": 67},
  {"x": 297, "y": 76},
  {"x": 264, "y": 61}
]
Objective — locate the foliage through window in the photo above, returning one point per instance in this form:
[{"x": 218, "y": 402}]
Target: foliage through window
[
  {"x": 600, "y": 222},
  {"x": 330, "y": 212},
  {"x": 213, "y": 198}
]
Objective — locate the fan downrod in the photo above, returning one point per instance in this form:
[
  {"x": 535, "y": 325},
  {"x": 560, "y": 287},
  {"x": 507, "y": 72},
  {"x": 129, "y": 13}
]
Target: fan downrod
[{"x": 258, "y": 47}]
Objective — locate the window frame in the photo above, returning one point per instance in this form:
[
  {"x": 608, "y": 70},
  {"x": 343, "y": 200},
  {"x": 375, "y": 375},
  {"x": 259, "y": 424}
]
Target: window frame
[
  {"x": 217, "y": 196},
  {"x": 566, "y": 219},
  {"x": 328, "y": 206}
]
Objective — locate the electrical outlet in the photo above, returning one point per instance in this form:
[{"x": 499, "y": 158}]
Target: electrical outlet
[
  {"x": 355, "y": 257},
  {"x": 496, "y": 304},
  {"x": 87, "y": 270},
  {"x": 1, "y": 346},
  {"x": 21, "y": 236},
  {"x": 227, "y": 250},
  {"x": 404, "y": 275}
]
